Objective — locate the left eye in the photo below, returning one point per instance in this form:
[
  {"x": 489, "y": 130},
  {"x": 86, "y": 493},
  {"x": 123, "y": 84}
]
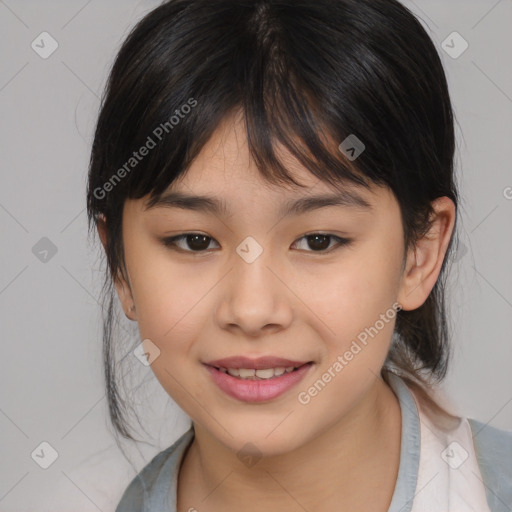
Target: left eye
[
  {"x": 320, "y": 241},
  {"x": 199, "y": 243}
]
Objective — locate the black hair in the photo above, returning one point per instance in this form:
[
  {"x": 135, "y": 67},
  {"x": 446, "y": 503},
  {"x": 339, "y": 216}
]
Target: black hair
[{"x": 304, "y": 73}]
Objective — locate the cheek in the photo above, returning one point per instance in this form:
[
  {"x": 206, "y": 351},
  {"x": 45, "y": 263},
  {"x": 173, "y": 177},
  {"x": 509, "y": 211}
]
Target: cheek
[
  {"x": 170, "y": 313},
  {"x": 358, "y": 289},
  {"x": 166, "y": 294},
  {"x": 359, "y": 292}
]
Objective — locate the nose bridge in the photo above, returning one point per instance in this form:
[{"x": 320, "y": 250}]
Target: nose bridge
[
  {"x": 254, "y": 297},
  {"x": 251, "y": 276}
]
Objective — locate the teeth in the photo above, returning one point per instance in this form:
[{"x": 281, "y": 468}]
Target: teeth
[{"x": 252, "y": 374}]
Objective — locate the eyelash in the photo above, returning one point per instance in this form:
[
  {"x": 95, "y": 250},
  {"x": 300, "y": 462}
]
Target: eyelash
[{"x": 170, "y": 242}]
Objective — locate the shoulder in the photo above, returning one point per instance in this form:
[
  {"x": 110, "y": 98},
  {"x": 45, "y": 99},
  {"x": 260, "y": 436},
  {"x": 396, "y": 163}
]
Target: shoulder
[
  {"x": 140, "y": 487},
  {"x": 151, "y": 479},
  {"x": 490, "y": 447},
  {"x": 493, "y": 448}
]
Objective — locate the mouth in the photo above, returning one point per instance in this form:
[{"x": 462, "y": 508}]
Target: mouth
[
  {"x": 259, "y": 374},
  {"x": 257, "y": 385}
]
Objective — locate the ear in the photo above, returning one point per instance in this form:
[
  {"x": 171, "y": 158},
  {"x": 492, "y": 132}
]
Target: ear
[
  {"x": 122, "y": 286},
  {"x": 425, "y": 259}
]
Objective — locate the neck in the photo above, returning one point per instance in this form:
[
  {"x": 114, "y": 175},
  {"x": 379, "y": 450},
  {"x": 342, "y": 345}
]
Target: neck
[{"x": 332, "y": 472}]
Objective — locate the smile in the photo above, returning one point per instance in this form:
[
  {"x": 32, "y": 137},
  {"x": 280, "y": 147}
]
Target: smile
[
  {"x": 252, "y": 374},
  {"x": 251, "y": 385}
]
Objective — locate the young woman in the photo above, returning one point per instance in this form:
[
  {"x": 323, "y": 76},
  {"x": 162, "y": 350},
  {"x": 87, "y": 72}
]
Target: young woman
[{"x": 273, "y": 184}]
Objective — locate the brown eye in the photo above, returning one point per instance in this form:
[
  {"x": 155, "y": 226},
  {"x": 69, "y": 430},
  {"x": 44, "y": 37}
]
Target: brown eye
[
  {"x": 194, "y": 242},
  {"x": 319, "y": 242}
]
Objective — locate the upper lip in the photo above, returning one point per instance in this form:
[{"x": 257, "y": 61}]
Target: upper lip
[{"x": 258, "y": 363}]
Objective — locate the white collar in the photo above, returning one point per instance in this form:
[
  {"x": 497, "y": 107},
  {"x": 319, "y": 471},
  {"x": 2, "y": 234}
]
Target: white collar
[{"x": 438, "y": 465}]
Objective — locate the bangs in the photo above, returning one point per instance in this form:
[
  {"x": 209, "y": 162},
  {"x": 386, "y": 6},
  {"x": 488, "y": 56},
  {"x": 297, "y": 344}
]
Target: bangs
[{"x": 289, "y": 123}]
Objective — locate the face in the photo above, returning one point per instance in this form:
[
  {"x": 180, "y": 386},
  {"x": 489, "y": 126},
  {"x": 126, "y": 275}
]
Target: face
[{"x": 314, "y": 286}]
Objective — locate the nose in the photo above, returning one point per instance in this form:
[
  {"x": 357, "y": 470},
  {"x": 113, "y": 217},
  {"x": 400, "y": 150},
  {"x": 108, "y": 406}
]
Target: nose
[{"x": 255, "y": 299}]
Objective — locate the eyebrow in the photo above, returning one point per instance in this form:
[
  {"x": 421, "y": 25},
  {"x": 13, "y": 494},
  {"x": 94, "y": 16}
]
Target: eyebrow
[{"x": 213, "y": 205}]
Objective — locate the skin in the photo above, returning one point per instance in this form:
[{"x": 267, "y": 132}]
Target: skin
[{"x": 293, "y": 302}]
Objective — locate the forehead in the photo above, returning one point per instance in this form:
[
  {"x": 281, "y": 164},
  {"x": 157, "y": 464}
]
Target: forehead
[
  {"x": 224, "y": 180},
  {"x": 224, "y": 168}
]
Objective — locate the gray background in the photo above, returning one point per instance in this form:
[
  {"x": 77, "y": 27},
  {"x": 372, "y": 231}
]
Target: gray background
[{"x": 51, "y": 369}]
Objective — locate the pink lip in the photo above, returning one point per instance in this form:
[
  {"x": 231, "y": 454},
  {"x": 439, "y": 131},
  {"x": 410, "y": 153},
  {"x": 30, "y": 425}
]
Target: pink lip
[
  {"x": 257, "y": 390},
  {"x": 259, "y": 363}
]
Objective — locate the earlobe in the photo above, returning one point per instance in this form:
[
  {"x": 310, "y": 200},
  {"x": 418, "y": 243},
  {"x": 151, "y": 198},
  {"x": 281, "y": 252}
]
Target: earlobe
[
  {"x": 410, "y": 297},
  {"x": 122, "y": 287},
  {"x": 425, "y": 259},
  {"x": 126, "y": 298}
]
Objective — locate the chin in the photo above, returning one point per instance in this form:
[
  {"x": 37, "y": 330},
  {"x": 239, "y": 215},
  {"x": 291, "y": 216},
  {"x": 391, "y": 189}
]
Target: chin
[{"x": 260, "y": 442}]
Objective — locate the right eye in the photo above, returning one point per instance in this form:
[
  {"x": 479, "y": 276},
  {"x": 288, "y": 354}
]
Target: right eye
[{"x": 197, "y": 242}]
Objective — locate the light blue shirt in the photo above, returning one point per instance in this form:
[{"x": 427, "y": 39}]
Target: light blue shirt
[{"x": 154, "y": 488}]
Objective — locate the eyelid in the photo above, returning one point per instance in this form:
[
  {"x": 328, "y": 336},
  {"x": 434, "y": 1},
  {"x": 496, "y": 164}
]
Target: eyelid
[
  {"x": 341, "y": 242},
  {"x": 170, "y": 242}
]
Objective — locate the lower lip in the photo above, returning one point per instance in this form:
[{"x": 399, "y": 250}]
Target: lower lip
[{"x": 257, "y": 390}]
